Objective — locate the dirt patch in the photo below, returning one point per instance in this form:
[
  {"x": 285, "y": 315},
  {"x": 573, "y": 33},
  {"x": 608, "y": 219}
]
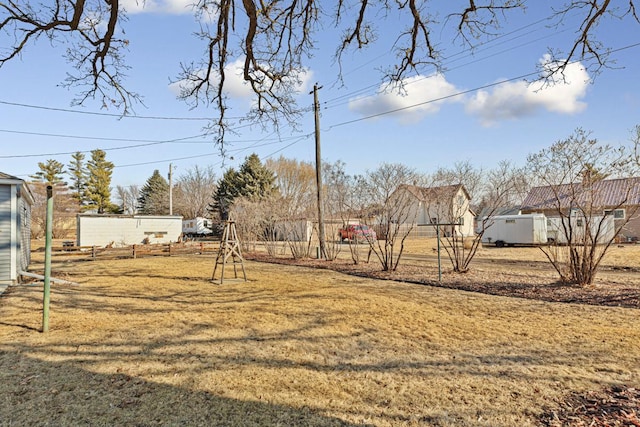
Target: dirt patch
[{"x": 612, "y": 407}]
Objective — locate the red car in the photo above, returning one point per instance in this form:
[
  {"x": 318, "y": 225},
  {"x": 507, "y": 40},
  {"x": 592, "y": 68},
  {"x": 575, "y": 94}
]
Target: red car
[{"x": 357, "y": 232}]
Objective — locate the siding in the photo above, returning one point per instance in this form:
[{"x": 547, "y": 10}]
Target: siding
[
  {"x": 5, "y": 233},
  {"x": 24, "y": 233},
  {"x": 124, "y": 230}
]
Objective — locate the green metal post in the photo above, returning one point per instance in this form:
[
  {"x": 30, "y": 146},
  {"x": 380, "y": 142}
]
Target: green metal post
[
  {"x": 47, "y": 260},
  {"x": 438, "y": 237}
]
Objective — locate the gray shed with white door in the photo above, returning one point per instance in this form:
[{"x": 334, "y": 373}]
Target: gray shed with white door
[{"x": 15, "y": 227}]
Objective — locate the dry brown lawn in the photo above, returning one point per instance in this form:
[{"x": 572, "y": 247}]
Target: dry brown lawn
[
  {"x": 627, "y": 255},
  {"x": 153, "y": 342}
]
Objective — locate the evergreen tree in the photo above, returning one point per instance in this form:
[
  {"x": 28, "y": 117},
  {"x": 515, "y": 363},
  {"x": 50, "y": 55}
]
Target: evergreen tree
[
  {"x": 98, "y": 190},
  {"x": 79, "y": 177},
  {"x": 225, "y": 193},
  {"x": 254, "y": 181},
  {"x": 154, "y": 196},
  {"x": 50, "y": 172}
]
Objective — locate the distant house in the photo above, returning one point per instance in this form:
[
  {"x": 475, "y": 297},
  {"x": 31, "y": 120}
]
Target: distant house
[
  {"x": 15, "y": 227},
  {"x": 442, "y": 205},
  {"x": 125, "y": 230},
  {"x": 617, "y": 197}
]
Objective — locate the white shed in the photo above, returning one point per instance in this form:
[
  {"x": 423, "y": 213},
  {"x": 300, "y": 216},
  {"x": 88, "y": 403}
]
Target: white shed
[
  {"x": 15, "y": 227},
  {"x": 125, "y": 230}
]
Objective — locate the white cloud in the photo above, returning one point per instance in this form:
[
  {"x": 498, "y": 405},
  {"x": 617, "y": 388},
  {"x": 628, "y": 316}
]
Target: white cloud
[
  {"x": 157, "y": 6},
  {"x": 425, "y": 95},
  {"x": 521, "y": 99}
]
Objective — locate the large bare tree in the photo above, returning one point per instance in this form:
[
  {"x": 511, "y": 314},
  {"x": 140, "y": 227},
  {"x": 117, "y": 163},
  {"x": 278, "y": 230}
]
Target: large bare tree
[
  {"x": 584, "y": 183},
  {"x": 275, "y": 39},
  {"x": 128, "y": 198},
  {"x": 488, "y": 192},
  {"x": 193, "y": 192},
  {"x": 65, "y": 209},
  {"x": 294, "y": 204},
  {"x": 390, "y": 210}
]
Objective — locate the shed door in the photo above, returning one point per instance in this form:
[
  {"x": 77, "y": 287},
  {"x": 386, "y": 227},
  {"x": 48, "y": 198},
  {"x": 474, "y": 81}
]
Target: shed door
[{"x": 5, "y": 232}]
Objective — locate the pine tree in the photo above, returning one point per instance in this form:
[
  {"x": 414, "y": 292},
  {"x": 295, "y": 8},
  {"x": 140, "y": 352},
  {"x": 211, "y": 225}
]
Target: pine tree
[
  {"x": 50, "y": 172},
  {"x": 98, "y": 190},
  {"x": 254, "y": 181},
  {"x": 226, "y": 192},
  {"x": 79, "y": 176},
  {"x": 154, "y": 196}
]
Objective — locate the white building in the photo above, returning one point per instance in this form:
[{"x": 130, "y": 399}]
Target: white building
[{"x": 125, "y": 230}]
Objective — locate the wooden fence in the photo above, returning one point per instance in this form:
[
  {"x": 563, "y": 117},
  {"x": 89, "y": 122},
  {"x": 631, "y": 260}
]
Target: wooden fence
[{"x": 133, "y": 251}]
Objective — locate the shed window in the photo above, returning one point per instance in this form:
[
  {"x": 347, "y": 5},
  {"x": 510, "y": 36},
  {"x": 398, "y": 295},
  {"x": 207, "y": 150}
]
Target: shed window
[
  {"x": 510, "y": 221},
  {"x": 617, "y": 213}
]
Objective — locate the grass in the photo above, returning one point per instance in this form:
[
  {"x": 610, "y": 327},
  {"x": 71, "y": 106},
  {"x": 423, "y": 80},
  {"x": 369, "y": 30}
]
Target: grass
[
  {"x": 617, "y": 255},
  {"x": 152, "y": 342}
]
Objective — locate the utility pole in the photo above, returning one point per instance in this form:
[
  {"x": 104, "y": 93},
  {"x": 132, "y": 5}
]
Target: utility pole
[
  {"x": 170, "y": 189},
  {"x": 316, "y": 109}
]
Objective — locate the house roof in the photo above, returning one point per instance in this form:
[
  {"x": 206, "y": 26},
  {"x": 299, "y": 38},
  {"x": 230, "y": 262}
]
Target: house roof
[
  {"x": 605, "y": 193},
  {"x": 426, "y": 194},
  {"x": 6, "y": 176}
]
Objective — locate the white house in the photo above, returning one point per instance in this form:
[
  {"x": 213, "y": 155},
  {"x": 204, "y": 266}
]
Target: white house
[
  {"x": 15, "y": 227},
  {"x": 124, "y": 230},
  {"x": 447, "y": 205}
]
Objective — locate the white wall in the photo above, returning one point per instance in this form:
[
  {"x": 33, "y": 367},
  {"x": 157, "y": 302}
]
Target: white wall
[{"x": 124, "y": 230}]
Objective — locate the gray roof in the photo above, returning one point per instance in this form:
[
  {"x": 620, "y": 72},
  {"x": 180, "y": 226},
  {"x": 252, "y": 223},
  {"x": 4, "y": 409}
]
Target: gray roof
[
  {"x": 605, "y": 193},
  {"x": 9, "y": 177},
  {"x": 427, "y": 194}
]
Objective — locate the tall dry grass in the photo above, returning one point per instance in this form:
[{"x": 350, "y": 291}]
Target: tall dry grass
[{"x": 153, "y": 342}]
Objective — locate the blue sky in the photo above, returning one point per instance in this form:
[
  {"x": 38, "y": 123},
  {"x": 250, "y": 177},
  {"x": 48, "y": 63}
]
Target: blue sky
[{"x": 442, "y": 118}]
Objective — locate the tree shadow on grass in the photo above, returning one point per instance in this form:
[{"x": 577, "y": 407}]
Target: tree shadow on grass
[{"x": 35, "y": 392}]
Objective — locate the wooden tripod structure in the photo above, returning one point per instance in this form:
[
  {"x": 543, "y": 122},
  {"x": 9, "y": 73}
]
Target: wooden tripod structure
[{"x": 229, "y": 251}]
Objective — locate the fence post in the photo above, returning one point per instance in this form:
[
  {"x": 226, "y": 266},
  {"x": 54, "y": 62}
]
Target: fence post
[
  {"x": 47, "y": 260},
  {"x": 93, "y": 252},
  {"x": 170, "y": 246},
  {"x": 134, "y": 251}
]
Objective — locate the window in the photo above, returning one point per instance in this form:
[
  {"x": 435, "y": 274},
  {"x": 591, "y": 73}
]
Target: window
[
  {"x": 617, "y": 213},
  {"x": 579, "y": 222},
  {"x": 510, "y": 221}
]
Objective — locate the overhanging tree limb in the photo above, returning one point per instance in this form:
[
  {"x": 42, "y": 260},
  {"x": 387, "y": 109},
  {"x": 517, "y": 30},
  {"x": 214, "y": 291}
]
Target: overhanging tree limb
[{"x": 274, "y": 40}]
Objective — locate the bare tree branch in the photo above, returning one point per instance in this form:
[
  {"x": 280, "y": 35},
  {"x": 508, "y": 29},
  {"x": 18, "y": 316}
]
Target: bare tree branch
[
  {"x": 273, "y": 39},
  {"x": 88, "y": 29}
]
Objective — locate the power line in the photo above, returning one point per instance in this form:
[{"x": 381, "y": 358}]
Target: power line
[
  {"x": 175, "y": 159},
  {"x": 145, "y": 143},
  {"x": 95, "y": 113},
  {"x": 165, "y": 161},
  {"x": 351, "y": 94},
  {"x": 523, "y": 76},
  {"x": 496, "y": 41}
]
